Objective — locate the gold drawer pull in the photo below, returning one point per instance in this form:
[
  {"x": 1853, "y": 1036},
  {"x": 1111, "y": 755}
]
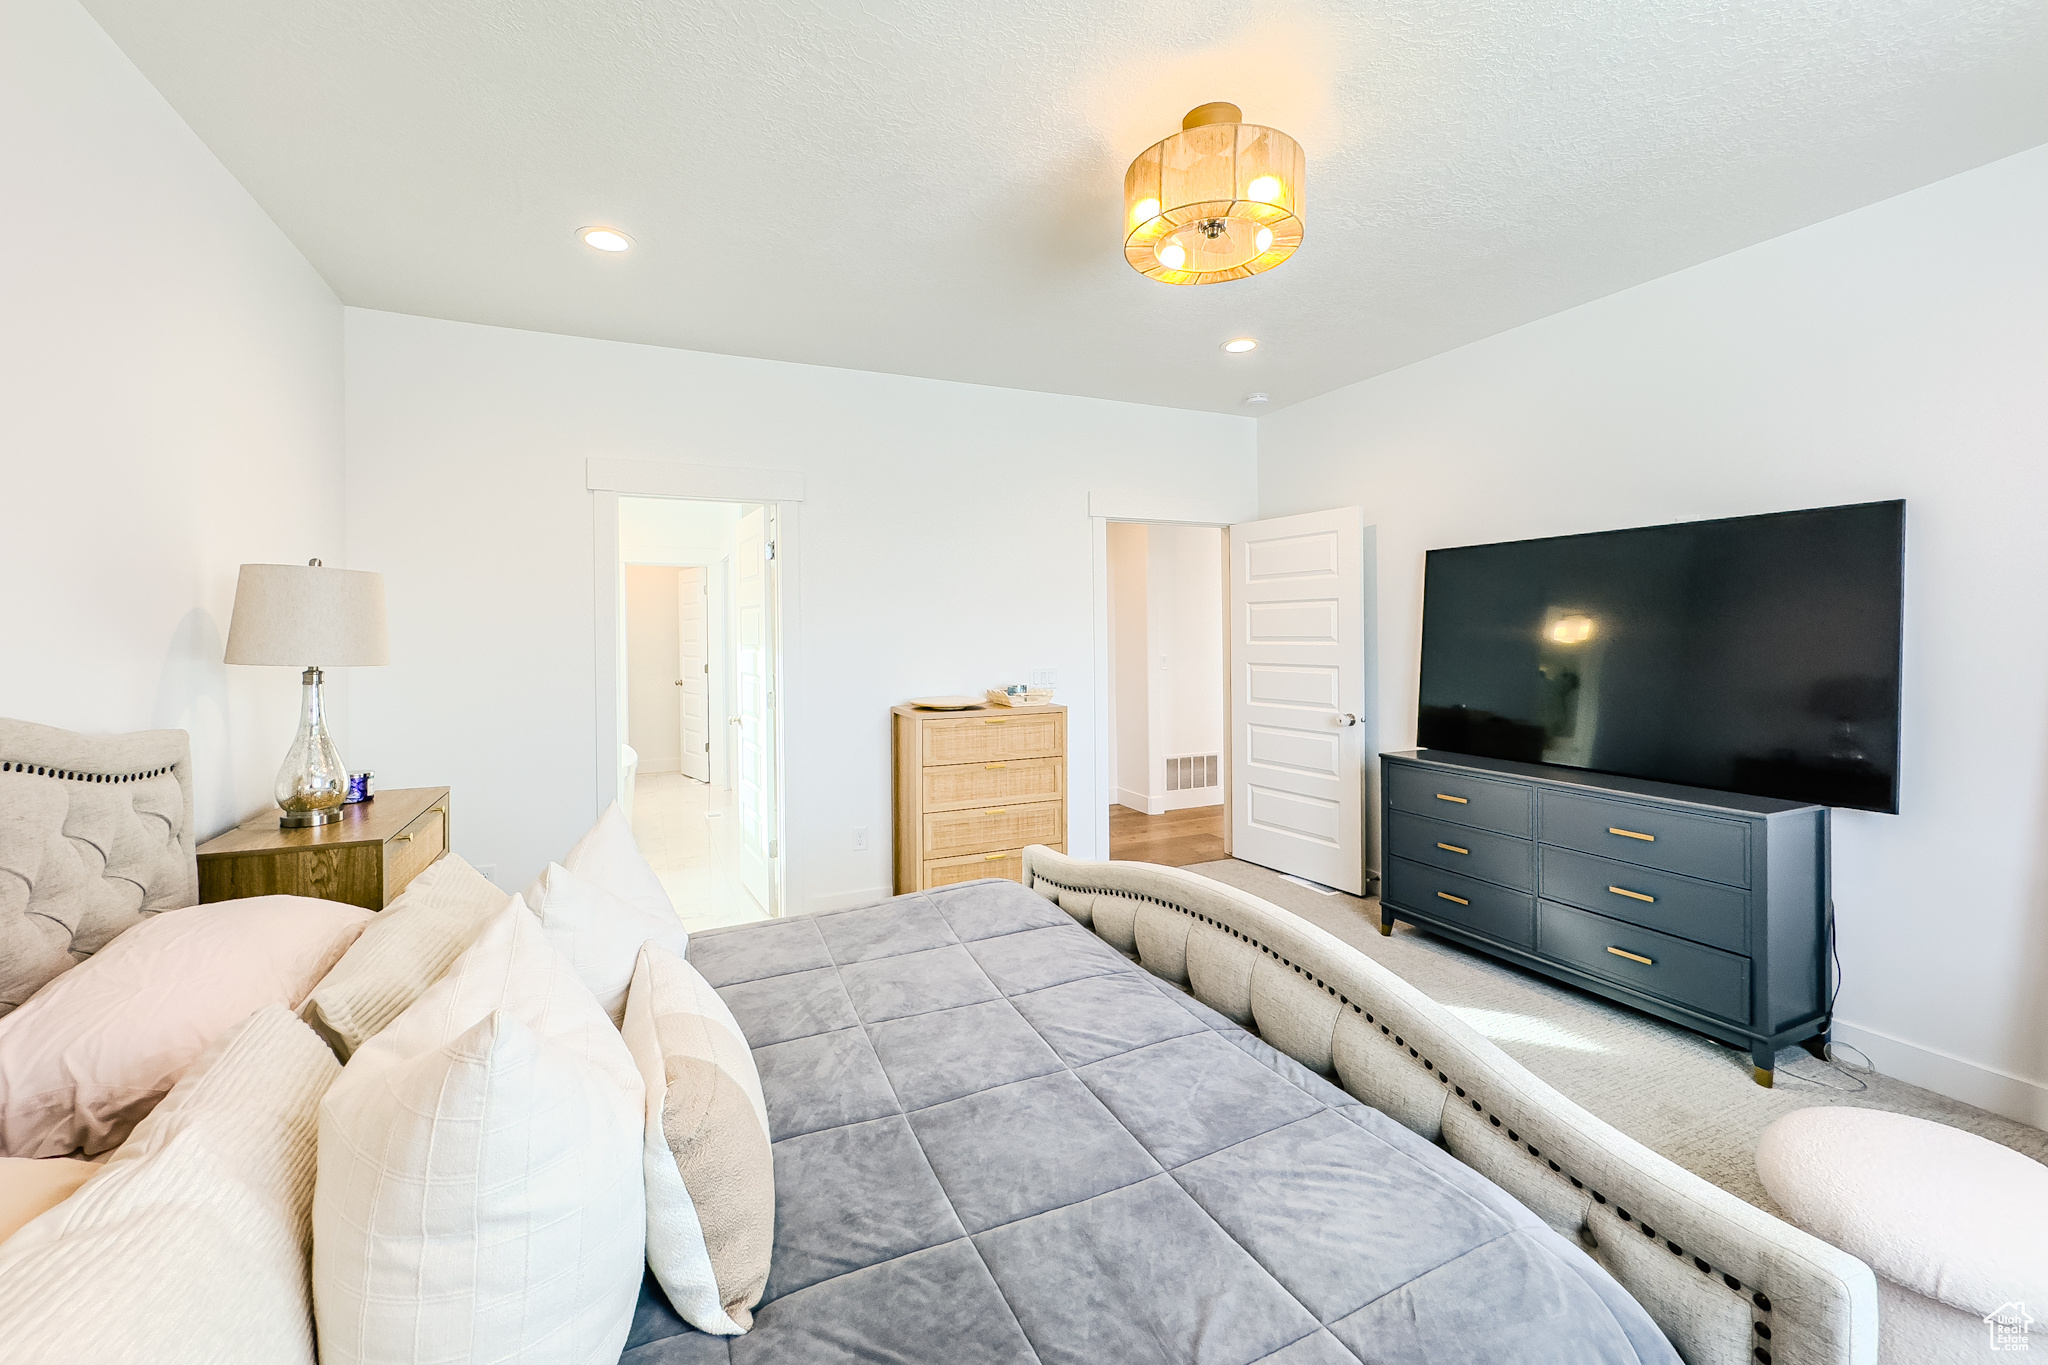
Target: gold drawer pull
[
  {"x": 1447, "y": 896},
  {"x": 1634, "y": 895},
  {"x": 401, "y": 838},
  {"x": 1004, "y": 721},
  {"x": 1632, "y": 957},
  {"x": 1453, "y": 848},
  {"x": 995, "y": 765},
  {"x": 997, "y": 810},
  {"x": 1631, "y": 834},
  {"x": 1459, "y": 799},
  {"x": 993, "y": 857}
]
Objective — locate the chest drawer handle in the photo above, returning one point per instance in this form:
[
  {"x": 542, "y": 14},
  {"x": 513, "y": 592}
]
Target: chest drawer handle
[
  {"x": 401, "y": 838},
  {"x": 992, "y": 857},
  {"x": 995, "y": 765},
  {"x": 1459, "y": 799},
  {"x": 1004, "y": 721},
  {"x": 1634, "y": 895},
  {"x": 1632, "y": 957},
  {"x": 1447, "y": 896},
  {"x": 1631, "y": 834},
  {"x": 997, "y": 810},
  {"x": 1453, "y": 848}
]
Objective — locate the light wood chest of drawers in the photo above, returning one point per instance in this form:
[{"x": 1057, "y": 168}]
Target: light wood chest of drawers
[{"x": 973, "y": 788}]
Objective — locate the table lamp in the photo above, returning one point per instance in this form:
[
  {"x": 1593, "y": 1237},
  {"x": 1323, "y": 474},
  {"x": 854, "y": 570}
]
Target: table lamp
[{"x": 310, "y": 618}]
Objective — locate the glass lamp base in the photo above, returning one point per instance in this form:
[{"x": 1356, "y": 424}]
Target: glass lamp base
[{"x": 300, "y": 819}]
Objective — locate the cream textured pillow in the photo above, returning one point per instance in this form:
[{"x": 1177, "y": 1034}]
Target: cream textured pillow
[
  {"x": 480, "y": 1194},
  {"x": 599, "y": 933},
  {"x": 403, "y": 951},
  {"x": 96, "y": 1048},
  {"x": 33, "y": 1185},
  {"x": 710, "y": 1174},
  {"x": 189, "y": 1246},
  {"x": 608, "y": 856}
]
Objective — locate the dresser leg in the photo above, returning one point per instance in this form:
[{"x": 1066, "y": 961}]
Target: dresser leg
[
  {"x": 1817, "y": 1045},
  {"x": 1763, "y": 1063},
  {"x": 1386, "y": 924}
]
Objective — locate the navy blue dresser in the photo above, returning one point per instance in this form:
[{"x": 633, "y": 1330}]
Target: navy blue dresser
[{"x": 1708, "y": 909}]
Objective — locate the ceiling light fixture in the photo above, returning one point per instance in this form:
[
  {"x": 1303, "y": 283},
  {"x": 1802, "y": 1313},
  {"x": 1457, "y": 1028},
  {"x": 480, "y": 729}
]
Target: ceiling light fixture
[
  {"x": 1239, "y": 345},
  {"x": 1219, "y": 200},
  {"x": 604, "y": 238}
]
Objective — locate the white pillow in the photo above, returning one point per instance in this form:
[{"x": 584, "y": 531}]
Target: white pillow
[
  {"x": 608, "y": 856},
  {"x": 710, "y": 1171},
  {"x": 599, "y": 933},
  {"x": 188, "y": 1247},
  {"x": 480, "y": 1193}
]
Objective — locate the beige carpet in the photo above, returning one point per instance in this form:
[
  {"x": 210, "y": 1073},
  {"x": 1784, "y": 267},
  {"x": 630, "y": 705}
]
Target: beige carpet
[{"x": 1676, "y": 1092}]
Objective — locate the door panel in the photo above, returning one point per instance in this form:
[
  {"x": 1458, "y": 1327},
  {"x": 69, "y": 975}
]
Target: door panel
[
  {"x": 753, "y": 719},
  {"x": 693, "y": 673},
  {"x": 1297, "y": 695}
]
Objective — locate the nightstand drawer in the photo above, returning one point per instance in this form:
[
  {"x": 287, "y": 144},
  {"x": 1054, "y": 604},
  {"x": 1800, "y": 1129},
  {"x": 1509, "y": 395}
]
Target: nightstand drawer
[
  {"x": 1705, "y": 912},
  {"x": 1480, "y": 906},
  {"x": 1477, "y": 801},
  {"x": 1456, "y": 848},
  {"x": 1688, "y": 974},
  {"x": 1654, "y": 836},
  {"x": 414, "y": 849}
]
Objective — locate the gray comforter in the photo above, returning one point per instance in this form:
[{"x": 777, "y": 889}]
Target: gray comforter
[{"x": 998, "y": 1140}]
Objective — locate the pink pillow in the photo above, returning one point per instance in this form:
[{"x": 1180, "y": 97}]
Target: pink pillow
[{"x": 87, "y": 1056}]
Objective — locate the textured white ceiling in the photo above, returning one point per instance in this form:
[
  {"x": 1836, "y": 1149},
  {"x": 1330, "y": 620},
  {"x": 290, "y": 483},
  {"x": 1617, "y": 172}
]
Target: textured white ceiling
[{"x": 933, "y": 188}]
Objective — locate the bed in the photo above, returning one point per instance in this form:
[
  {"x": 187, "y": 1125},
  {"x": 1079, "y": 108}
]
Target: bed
[
  {"x": 1001, "y": 1137},
  {"x": 1120, "y": 1112}
]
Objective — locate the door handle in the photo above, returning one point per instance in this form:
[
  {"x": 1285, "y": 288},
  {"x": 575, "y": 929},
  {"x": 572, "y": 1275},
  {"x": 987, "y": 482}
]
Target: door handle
[{"x": 1345, "y": 720}]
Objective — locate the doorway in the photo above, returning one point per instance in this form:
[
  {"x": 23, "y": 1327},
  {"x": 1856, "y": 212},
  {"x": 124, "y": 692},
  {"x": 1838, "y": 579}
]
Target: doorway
[
  {"x": 697, "y": 645},
  {"x": 1167, "y": 694}
]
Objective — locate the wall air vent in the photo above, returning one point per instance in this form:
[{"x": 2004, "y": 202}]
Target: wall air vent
[{"x": 1192, "y": 772}]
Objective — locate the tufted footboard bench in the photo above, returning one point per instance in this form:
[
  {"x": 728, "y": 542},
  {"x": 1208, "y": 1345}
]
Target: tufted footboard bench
[{"x": 1726, "y": 1282}]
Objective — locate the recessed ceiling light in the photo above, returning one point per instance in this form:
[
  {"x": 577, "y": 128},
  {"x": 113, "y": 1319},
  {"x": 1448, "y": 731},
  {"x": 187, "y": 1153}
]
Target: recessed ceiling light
[
  {"x": 1258, "y": 398},
  {"x": 1239, "y": 345},
  {"x": 604, "y": 238}
]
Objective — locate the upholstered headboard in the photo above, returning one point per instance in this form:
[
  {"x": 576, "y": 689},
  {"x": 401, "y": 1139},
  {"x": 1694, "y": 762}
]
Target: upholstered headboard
[{"x": 95, "y": 833}]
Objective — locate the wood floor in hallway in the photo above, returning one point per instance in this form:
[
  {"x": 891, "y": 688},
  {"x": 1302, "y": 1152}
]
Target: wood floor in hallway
[{"x": 1176, "y": 839}]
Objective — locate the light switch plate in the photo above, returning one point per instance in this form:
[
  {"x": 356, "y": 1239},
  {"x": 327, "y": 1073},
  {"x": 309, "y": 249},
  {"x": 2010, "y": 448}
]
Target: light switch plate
[{"x": 1045, "y": 677}]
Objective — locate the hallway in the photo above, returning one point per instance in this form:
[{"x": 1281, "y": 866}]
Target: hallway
[
  {"x": 1179, "y": 838},
  {"x": 687, "y": 830}
]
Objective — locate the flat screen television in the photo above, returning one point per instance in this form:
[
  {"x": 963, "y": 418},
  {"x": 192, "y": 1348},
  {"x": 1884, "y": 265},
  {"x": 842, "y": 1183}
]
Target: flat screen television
[{"x": 1753, "y": 654}]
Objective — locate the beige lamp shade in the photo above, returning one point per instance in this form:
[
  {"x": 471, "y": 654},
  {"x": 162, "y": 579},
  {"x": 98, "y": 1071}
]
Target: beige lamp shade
[
  {"x": 1219, "y": 200},
  {"x": 307, "y": 616}
]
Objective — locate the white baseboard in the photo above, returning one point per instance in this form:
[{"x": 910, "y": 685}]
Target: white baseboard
[
  {"x": 1931, "y": 1069},
  {"x": 846, "y": 900},
  {"x": 1188, "y": 800},
  {"x": 1138, "y": 801}
]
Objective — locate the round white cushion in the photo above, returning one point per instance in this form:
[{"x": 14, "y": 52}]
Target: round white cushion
[{"x": 1945, "y": 1213}]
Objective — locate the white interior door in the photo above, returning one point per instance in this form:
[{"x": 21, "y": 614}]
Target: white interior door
[
  {"x": 753, "y": 721},
  {"x": 693, "y": 673},
  {"x": 1297, "y": 695}
]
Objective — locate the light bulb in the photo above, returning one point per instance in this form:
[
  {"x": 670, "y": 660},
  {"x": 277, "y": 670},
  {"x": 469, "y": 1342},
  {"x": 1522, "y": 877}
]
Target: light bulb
[
  {"x": 605, "y": 239},
  {"x": 1266, "y": 190},
  {"x": 1145, "y": 212},
  {"x": 1264, "y": 238},
  {"x": 1173, "y": 255},
  {"x": 1239, "y": 345}
]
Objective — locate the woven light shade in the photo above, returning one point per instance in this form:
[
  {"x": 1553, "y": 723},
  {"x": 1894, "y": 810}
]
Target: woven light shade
[{"x": 1219, "y": 200}]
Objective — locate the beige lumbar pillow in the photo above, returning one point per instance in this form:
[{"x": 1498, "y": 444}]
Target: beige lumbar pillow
[
  {"x": 404, "y": 950},
  {"x": 710, "y": 1174},
  {"x": 608, "y": 855},
  {"x": 33, "y": 1185},
  {"x": 599, "y": 933},
  {"x": 189, "y": 1247},
  {"x": 480, "y": 1193}
]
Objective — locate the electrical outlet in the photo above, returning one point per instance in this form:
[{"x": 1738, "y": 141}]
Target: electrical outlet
[
  {"x": 1045, "y": 677},
  {"x": 488, "y": 871},
  {"x": 860, "y": 838}
]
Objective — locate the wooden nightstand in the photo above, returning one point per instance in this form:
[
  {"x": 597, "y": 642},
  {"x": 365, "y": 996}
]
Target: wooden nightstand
[{"x": 365, "y": 858}]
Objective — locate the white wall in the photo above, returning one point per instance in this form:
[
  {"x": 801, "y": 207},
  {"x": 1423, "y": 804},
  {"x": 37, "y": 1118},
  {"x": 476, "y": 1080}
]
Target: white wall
[
  {"x": 1898, "y": 351},
  {"x": 170, "y": 407},
  {"x": 675, "y": 530},
  {"x": 654, "y": 722},
  {"x": 1130, "y": 666},
  {"x": 945, "y": 547}
]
